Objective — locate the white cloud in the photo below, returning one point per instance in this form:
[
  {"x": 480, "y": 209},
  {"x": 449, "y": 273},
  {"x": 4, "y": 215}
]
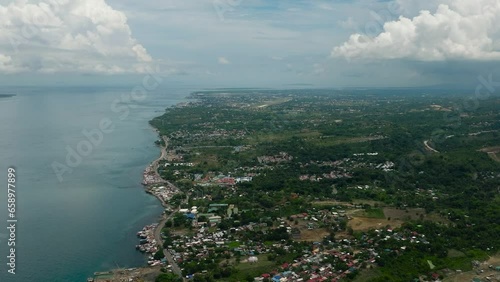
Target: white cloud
[
  {"x": 6, "y": 63},
  {"x": 459, "y": 29},
  {"x": 80, "y": 36},
  {"x": 223, "y": 61}
]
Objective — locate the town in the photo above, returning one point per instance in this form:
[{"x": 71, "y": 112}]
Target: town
[{"x": 286, "y": 186}]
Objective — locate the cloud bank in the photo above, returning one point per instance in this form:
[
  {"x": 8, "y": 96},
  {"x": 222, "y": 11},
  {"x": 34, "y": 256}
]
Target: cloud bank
[
  {"x": 75, "y": 36},
  {"x": 457, "y": 30}
]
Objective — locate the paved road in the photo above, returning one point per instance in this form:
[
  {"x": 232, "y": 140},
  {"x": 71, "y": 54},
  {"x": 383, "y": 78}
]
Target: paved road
[
  {"x": 157, "y": 233},
  {"x": 426, "y": 144},
  {"x": 175, "y": 267},
  {"x": 163, "y": 156}
]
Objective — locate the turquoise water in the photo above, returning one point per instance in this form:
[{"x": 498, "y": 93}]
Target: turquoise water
[{"x": 87, "y": 222}]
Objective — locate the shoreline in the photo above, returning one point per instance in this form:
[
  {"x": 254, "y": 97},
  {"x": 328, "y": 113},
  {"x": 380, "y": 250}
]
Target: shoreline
[
  {"x": 150, "y": 235},
  {"x": 163, "y": 190}
]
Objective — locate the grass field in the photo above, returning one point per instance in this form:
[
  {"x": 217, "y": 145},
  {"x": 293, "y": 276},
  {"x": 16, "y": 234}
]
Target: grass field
[
  {"x": 413, "y": 214},
  {"x": 233, "y": 245},
  {"x": 367, "y": 275},
  {"x": 463, "y": 263},
  {"x": 323, "y": 204},
  {"x": 370, "y": 213},
  {"x": 252, "y": 269},
  {"x": 365, "y": 223},
  {"x": 328, "y": 141}
]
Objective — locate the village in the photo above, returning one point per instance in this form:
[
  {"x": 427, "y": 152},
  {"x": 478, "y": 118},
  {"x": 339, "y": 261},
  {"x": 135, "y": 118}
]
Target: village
[
  {"x": 322, "y": 192},
  {"x": 320, "y": 257},
  {"x": 322, "y": 241}
]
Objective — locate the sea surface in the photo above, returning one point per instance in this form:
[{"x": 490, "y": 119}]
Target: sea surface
[{"x": 86, "y": 220}]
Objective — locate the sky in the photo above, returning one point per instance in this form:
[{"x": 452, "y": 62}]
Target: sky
[{"x": 250, "y": 43}]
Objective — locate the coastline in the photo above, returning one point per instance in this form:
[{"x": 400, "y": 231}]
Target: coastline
[{"x": 150, "y": 235}]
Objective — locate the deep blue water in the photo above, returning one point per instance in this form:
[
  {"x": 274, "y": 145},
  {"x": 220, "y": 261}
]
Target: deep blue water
[{"x": 68, "y": 230}]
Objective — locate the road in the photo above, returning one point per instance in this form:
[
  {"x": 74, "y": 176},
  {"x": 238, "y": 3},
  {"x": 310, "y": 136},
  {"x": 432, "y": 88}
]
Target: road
[
  {"x": 157, "y": 233},
  {"x": 175, "y": 267},
  {"x": 426, "y": 144},
  {"x": 163, "y": 156}
]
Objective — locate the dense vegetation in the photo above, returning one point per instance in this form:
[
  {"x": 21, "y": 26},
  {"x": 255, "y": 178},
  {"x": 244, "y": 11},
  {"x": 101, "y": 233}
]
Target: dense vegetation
[{"x": 432, "y": 141}]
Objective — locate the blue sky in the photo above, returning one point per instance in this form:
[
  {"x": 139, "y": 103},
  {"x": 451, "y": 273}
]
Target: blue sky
[{"x": 250, "y": 43}]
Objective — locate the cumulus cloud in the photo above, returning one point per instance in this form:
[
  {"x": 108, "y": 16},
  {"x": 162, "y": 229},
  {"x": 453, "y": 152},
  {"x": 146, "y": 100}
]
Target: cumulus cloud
[
  {"x": 457, "y": 30},
  {"x": 81, "y": 36},
  {"x": 223, "y": 61}
]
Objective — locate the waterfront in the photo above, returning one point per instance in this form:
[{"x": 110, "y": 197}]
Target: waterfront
[{"x": 88, "y": 222}]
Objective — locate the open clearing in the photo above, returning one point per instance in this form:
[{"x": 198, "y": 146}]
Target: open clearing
[
  {"x": 132, "y": 274},
  {"x": 364, "y": 223},
  {"x": 310, "y": 235},
  {"x": 346, "y": 204},
  {"x": 244, "y": 265},
  {"x": 361, "y": 221},
  {"x": 476, "y": 273},
  {"x": 370, "y": 213},
  {"x": 413, "y": 214},
  {"x": 331, "y": 203},
  {"x": 492, "y": 152},
  {"x": 246, "y": 268},
  {"x": 325, "y": 141},
  {"x": 314, "y": 235}
]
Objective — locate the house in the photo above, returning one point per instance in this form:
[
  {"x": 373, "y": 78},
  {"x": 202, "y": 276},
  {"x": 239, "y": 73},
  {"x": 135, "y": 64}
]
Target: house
[
  {"x": 253, "y": 259},
  {"x": 215, "y": 219}
]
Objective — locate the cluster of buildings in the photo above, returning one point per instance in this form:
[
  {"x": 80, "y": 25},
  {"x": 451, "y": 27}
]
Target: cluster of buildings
[
  {"x": 228, "y": 210},
  {"x": 281, "y": 157},
  {"x": 220, "y": 180},
  {"x": 164, "y": 192},
  {"x": 331, "y": 175},
  {"x": 320, "y": 261},
  {"x": 150, "y": 177},
  {"x": 178, "y": 164},
  {"x": 316, "y": 265},
  {"x": 207, "y": 133},
  {"x": 333, "y": 261},
  {"x": 343, "y": 167}
]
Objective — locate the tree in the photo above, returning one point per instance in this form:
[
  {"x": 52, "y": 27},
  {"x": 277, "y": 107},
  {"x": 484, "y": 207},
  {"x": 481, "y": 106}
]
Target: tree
[
  {"x": 167, "y": 277},
  {"x": 159, "y": 254},
  {"x": 350, "y": 231}
]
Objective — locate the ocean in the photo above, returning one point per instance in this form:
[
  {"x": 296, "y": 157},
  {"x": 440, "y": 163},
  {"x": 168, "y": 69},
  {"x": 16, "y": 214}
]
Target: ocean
[{"x": 77, "y": 214}]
